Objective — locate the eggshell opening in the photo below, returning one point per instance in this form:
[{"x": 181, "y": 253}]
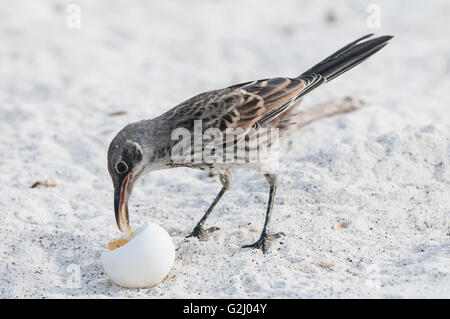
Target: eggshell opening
[
  {"x": 122, "y": 241},
  {"x": 144, "y": 261}
]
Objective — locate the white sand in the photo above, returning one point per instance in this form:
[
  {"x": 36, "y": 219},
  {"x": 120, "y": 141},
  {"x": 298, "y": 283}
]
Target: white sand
[{"x": 384, "y": 170}]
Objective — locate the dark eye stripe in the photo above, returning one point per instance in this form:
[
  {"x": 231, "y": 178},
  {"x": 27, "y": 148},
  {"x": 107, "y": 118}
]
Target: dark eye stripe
[{"x": 121, "y": 167}]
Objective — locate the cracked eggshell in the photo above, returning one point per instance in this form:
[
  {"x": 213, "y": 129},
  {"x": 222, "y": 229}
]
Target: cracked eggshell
[{"x": 144, "y": 261}]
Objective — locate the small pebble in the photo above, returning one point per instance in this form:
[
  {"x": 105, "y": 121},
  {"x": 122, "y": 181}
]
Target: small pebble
[{"x": 340, "y": 225}]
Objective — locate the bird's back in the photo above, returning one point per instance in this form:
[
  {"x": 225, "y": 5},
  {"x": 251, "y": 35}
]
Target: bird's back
[{"x": 265, "y": 104}]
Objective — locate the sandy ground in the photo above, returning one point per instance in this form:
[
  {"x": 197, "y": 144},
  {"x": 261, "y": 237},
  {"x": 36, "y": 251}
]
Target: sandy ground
[{"x": 383, "y": 171}]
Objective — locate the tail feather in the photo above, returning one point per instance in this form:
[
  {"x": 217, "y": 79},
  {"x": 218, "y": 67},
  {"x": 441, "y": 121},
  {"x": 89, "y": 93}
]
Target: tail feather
[{"x": 342, "y": 60}]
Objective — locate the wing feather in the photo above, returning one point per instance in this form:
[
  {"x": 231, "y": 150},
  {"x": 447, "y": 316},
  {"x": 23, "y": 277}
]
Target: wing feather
[{"x": 243, "y": 106}]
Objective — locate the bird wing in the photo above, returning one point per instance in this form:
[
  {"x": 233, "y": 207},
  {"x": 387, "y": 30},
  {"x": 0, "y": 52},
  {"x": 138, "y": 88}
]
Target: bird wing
[
  {"x": 252, "y": 104},
  {"x": 255, "y": 104}
]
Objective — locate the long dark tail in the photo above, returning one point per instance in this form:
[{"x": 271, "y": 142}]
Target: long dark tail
[{"x": 342, "y": 60}]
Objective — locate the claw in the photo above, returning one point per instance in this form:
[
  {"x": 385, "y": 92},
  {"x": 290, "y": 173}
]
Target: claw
[
  {"x": 201, "y": 233},
  {"x": 261, "y": 243}
]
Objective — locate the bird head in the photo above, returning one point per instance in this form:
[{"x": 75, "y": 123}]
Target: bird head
[{"x": 125, "y": 165}]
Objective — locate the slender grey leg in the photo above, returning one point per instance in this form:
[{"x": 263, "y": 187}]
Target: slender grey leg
[
  {"x": 265, "y": 237},
  {"x": 198, "y": 231}
]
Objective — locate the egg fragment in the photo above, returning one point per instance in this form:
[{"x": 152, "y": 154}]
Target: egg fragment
[{"x": 143, "y": 260}]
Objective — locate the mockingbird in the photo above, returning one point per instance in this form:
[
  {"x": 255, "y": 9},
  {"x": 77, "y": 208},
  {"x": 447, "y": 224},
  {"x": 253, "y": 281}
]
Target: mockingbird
[{"x": 248, "y": 108}]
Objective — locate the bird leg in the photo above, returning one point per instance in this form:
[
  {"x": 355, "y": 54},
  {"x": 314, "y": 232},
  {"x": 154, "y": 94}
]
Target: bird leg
[
  {"x": 265, "y": 237},
  {"x": 198, "y": 231}
]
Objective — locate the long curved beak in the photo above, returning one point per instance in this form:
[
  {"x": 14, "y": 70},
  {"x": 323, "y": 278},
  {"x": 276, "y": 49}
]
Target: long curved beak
[{"x": 121, "y": 196}]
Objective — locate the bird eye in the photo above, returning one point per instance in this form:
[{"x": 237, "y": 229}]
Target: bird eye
[{"x": 121, "y": 167}]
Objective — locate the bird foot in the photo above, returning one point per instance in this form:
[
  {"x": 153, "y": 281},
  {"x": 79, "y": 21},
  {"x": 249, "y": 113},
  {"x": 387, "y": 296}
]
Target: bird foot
[
  {"x": 261, "y": 243},
  {"x": 201, "y": 233}
]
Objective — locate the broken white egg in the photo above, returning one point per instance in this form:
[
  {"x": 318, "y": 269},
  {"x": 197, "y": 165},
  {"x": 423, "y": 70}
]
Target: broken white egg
[{"x": 142, "y": 262}]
